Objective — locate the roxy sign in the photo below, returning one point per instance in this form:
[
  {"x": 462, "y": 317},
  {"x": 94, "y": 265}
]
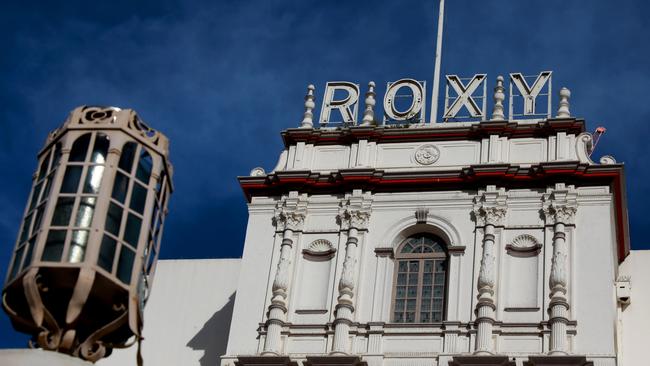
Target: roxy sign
[{"x": 405, "y": 100}]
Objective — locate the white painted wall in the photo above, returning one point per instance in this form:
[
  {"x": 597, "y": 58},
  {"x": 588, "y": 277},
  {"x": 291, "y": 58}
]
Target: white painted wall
[
  {"x": 188, "y": 314},
  {"x": 635, "y": 317}
]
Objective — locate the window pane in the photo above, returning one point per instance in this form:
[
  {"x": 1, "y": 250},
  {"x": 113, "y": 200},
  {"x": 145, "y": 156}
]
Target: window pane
[
  {"x": 401, "y": 292},
  {"x": 403, "y": 266},
  {"x": 125, "y": 265},
  {"x": 441, "y": 266},
  {"x": 414, "y": 266},
  {"x": 437, "y": 305},
  {"x": 399, "y": 306},
  {"x": 412, "y": 291},
  {"x": 132, "y": 232},
  {"x": 24, "y": 233},
  {"x": 439, "y": 279},
  {"x": 113, "y": 219},
  {"x": 408, "y": 248},
  {"x": 126, "y": 158},
  {"x": 93, "y": 179},
  {"x": 100, "y": 150},
  {"x": 438, "y": 291},
  {"x": 427, "y": 278},
  {"x": 425, "y": 305},
  {"x": 37, "y": 191},
  {"x": 399, "y": 318},
  {"x": 78, "y": 246},
  {"x": 120, "y": 187},
  {"x": 85, "y": 212},
  {"x": 54, "y": 246},
  {"x": 107, "y": 253},
  {"x": 79, "y": 148},
  {"x": 138, "y": 197},
  {"x": 144, "y": 167},
  {"x": 401, "y": 279},
  {"x": 426, "y": 291},
  {"x": 437, "y": 317},
  {"x": 71, "y": 179},
  {"x": 63, "y": 211},
  {"x": 424, "y": 318},
  {"x": 410, "y": 317},
  {"x": 16, "y": 264},
  {"x": 413, "y": 278}
]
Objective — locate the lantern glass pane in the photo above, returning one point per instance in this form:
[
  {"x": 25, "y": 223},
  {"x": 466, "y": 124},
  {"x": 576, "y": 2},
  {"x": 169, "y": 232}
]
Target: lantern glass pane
[
  {"x": 30, "y": 251},
  {"x": 125, "y": 265},
  {"x": 38, "y": 219},
  {"x": 93, "y": 179},
  {"x": 43, "y": 169},
  {"x": 56, "y": 158},
  {"x": 85, "y": 212},
  {"x": 78, "y": 246},
  {"x": 15, "y": 266},
  {"x": 46, "y": 191},
  {"x": 37, "y": 191},
  {"x": 144, "y": 167},
  {"x": 126, "y": 158},
  {"x": 24, "y": 233},
  {"x": 54, "y": 246},
  {"x": 63, "y": 211},
  {"x": 132, "y": 232},
  {"x": 120, "y": 187},
  {"x": 113, "y": 219},
  {"x": 138, "y": 197},
  {"x": 79, "y": 148},
  {"x": 107, "y": 253},
  {"x": 100, "y": 150},
  {"x": 71, "y": 179}
]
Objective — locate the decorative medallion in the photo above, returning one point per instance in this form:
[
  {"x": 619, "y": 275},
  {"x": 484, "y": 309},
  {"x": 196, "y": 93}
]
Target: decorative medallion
[{"x": 427, "y": 154}]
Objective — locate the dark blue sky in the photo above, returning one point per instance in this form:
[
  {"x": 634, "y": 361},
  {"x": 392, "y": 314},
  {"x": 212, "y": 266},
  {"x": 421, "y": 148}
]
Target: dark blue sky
[{"x": 222, "y": 79}]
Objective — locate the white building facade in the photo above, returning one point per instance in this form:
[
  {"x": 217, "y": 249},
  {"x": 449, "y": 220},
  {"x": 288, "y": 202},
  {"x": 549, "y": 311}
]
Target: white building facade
[{"x": 491, "y": 243}]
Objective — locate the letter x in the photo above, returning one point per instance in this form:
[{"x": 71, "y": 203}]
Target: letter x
[{"x": 464, "y": 97}]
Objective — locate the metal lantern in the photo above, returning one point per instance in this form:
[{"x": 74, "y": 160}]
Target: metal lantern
[{"x": 88, "y": 244}]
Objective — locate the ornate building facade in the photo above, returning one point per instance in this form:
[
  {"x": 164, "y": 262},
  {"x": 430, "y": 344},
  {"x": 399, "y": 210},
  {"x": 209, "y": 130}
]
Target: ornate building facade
[{"x": 492, "y": 242}]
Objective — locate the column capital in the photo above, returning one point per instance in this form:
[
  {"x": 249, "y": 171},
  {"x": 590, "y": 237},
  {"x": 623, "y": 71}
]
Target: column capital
[
  {"x": 556, "y": 213},
  {"x": 490, "y": 207},
  {"x": 355, "y": 210},
  {"x": 290, "y": 212}
]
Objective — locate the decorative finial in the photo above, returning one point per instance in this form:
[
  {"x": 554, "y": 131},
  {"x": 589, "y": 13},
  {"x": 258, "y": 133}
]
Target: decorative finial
[
  {"x": 308, "y": 119},
  {"x": 563, "y": 111},
  {"x": 369, "y": 113},
  {"x": 499, "y": 97}
]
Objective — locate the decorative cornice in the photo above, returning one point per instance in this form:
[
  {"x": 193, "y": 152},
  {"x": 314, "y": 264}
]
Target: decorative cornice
[{"x": 442, "y": 132}]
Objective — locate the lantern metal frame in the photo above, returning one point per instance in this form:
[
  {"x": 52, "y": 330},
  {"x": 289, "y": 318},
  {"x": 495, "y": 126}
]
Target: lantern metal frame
[{"x": 85, "y": 294}]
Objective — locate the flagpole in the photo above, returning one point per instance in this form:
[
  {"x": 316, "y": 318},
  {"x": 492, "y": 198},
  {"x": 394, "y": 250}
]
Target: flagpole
[{"x": 436, "y": 70}]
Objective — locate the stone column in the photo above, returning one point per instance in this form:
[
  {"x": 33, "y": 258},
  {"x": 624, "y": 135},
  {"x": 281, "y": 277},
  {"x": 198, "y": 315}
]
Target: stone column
[
  {"x": 489, "y": 213},
  {"x": 288, "y": 219},
  {"x": 560, "y": 214},
  {"x": 354, "y": 218}
]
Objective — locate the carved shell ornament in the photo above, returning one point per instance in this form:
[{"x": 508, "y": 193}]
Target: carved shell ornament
[
  {"x": 320, "y": 247},
  {"x": 427, "y": 154},
  {"x": 524, "y": 243}
]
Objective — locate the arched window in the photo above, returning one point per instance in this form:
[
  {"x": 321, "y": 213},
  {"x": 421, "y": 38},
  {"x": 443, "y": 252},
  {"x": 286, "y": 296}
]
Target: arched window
[{"x": 420, "y": 278}]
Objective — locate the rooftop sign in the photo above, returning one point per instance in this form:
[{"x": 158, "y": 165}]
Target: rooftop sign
[{"x": 405, "y": 101}]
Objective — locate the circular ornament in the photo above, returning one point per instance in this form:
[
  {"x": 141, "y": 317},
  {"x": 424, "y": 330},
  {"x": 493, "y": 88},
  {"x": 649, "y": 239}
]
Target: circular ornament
[{"x": 427, "y": 154}]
